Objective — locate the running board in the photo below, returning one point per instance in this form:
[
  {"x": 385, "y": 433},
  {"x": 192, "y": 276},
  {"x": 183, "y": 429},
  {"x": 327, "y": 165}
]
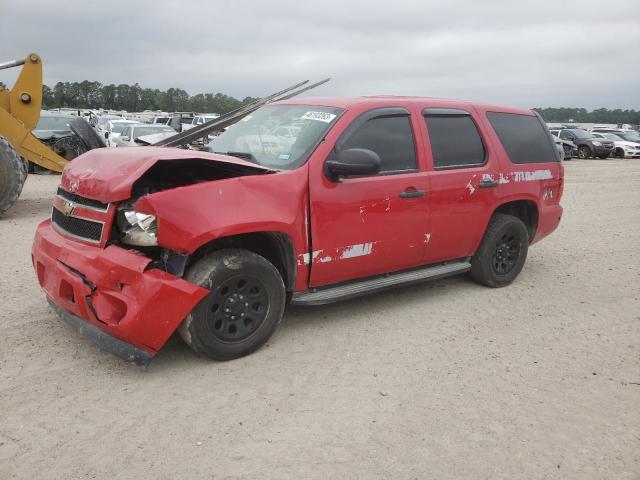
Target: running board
[{"x": 369, "y": 285}]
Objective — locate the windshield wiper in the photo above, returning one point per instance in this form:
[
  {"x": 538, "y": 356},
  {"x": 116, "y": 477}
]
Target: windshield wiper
[{"x": 241, "y": 155}]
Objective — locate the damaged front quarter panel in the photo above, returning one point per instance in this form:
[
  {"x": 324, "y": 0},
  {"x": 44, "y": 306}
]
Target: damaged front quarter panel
[{"x": 191, "y": 216}]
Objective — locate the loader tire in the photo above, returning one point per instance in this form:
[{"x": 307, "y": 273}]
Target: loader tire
[
  {"x": 12, "y": 175},
  {"x": 88, "y": 135}
]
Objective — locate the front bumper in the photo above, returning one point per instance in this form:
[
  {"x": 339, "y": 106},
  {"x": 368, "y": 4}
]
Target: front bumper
[
  {"x": 109, "y": 295},
  {"x": 602, "y": 149}
]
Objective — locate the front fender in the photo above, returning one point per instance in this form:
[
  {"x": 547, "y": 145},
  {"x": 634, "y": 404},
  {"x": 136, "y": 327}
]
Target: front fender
[{"x": 191, "y": 216}]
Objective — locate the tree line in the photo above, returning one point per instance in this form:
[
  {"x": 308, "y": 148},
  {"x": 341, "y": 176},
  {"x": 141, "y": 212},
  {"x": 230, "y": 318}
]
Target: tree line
[
  {"x": 582, "y": 115},
  {"x": 134, "y": 98}
]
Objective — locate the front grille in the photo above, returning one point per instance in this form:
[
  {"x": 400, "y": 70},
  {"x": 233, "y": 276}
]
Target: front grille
[
  {"x": 83, "y": 229},
  {"x": 83, "y": 201}
]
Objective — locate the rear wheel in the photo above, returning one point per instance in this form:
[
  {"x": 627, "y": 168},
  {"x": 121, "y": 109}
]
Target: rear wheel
[
  {"x": 502, "y": 253},
  {"x": 243, "y": 308},
  {"x": 12, "y": 175},
  {"x": 584, "y": 152}
]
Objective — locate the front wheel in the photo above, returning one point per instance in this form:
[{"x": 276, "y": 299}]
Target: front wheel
[
  {"x": 243, "y": 308},
  {"x": 584, "y": 152},
  {"x": 502, "y": 253}
]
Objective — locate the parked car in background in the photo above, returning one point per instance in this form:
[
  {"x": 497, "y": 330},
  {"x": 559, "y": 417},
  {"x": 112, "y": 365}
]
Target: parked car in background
[
  {"x": 131, "y": 133},
  {"x": 115, "y": 128},
  {"x": 199, "y": 120},
  {"x": 50, "y": 128},
  {"x": 102, "y": 123},
  {"x": 569, "y": 149},
  {"x": 161, "y": 120},
  {"x": 623, "y": 148},
  {"x": 588, "y": 145}
]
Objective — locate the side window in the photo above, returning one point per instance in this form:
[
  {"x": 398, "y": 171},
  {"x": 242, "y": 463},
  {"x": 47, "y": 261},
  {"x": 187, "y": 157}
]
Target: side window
[
  {"x": 455, "y": 141},
  {"x": 126, "y": 132},
  {"x": 565, "y": 135},
  {"x": 524, "y": 137},
  {"x": 391, "y": 138}
]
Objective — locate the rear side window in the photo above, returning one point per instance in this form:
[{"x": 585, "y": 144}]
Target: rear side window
[
  {"x": 523, "y": 137},
  {"x": 391, "y": 138},
  {"x": 455, "y": 141}
]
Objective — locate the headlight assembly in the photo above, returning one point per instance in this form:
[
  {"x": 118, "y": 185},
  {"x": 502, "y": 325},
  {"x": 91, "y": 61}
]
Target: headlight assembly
[
  {"x": 138, "y": 229},
  {"x": 596, "y": 143}
]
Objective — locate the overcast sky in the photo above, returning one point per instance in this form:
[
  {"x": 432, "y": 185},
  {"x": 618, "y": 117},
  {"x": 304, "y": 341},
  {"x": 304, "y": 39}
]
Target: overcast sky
[{"x": 524, "y": 53}]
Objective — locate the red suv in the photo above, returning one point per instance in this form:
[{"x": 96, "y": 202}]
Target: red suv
[{"x": 304, "y": 201}]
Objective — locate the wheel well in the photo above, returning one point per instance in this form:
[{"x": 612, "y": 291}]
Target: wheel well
[
  {"x": 525, "y": 210},
  {"x": 274, "y": 246}
]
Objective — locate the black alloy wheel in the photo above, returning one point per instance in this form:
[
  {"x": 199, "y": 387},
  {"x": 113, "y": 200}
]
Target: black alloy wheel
[
  {"x": 506, "y": 253},
  {"x": 237, "y": 308}
]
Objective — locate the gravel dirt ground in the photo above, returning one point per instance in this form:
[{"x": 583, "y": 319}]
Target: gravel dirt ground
[{"x": 443, "y": 380}]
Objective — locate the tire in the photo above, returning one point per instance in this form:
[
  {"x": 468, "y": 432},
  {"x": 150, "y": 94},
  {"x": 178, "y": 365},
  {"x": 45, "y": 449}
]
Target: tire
[
  {"x": 88, "y": 135},
  {"x": 567, "y": 152},
  {"x": 502, "y": 253},
  {"x": 244, "y": 306},
  {"x": 584, "y": 152},
  {"x": 619, "y": 153},
  {"x": 12, "y": 175}
]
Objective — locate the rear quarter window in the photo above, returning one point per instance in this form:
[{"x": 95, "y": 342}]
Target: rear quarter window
[{"x": 523, "y": 137}]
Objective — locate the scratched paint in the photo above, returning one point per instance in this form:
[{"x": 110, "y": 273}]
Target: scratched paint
[
  {"x": 326, "y": 259},
  {"x": 471, "y": 188},
  {"x": 357, "y": 250},
  {"x": 532, "y": 176},
  {"x": 427, "y": 238}
]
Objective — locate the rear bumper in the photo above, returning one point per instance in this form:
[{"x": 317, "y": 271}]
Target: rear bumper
[
  {"x": 548, "y": 220},
  {"x": 109, "y": 295}
]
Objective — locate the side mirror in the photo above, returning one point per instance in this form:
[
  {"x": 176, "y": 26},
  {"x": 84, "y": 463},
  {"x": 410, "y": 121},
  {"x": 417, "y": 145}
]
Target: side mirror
[
  {"x": 106, "y": 134},
  {"x": 352, "y": 162},
  {"x": 124, "y": 139}
]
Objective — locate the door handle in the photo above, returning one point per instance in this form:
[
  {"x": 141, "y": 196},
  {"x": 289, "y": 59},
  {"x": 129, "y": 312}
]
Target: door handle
[
  {"x": 412, "y": 193},
  {"x": 488, "y": 183}
]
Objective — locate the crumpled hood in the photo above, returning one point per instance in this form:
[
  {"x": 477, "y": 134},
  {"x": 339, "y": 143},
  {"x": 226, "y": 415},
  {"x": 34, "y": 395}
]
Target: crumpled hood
[{"x": 108, "y": 174}]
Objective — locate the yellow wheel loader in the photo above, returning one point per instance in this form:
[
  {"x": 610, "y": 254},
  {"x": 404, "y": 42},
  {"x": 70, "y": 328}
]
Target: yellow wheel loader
[{"x": 19, "y": 114}]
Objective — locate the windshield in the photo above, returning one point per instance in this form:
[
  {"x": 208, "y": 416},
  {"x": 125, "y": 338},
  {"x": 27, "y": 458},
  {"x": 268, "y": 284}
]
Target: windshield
[
  {"x": 580, "y": 133},
  {"x": 630, "y": 136},
  {"x": 142, "y": 131},
  {"x": 611, "y": 136},
  {"x": 277, "y": 136},
  {"x": 53, "y": 123},
  {"x": 118, "y": 127}
]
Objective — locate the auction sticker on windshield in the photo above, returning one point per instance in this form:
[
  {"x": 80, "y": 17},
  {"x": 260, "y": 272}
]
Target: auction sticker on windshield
[{"x": 319, "y": 116}]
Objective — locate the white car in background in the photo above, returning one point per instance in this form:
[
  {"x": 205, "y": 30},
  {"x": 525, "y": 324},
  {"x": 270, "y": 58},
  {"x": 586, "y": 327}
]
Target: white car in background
[
  {"x": 102, "y": 123},
  {"x": 623, "y": 148},
  {"x": 131, "y": 133},
  {"x": 115, "y": 128},
  {"x": 199, "y": 120}
]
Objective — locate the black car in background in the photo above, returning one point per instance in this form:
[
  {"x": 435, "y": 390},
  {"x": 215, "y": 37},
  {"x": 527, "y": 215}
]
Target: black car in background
[{"x": 588, "y": 145}]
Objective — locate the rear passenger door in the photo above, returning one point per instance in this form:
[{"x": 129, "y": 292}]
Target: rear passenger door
[{"x": 464, "y": 174}]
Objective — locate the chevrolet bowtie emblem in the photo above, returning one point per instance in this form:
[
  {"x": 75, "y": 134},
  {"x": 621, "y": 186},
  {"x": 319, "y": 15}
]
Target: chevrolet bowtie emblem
[{"x": 67, "y": 208}]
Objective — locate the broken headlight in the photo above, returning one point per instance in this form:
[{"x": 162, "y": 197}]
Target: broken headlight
[{"x": 140, "y": 229}]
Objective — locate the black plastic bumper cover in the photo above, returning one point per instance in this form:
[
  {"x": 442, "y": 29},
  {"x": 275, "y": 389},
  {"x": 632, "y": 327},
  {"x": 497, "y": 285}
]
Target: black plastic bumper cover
[{"x": 111, "y": 344}]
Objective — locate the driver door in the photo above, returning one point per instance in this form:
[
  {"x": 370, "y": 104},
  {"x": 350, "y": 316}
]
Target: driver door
[{"x": 369, "y": 225}]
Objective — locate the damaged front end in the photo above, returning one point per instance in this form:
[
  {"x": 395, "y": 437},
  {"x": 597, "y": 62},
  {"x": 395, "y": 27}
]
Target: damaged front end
[{"x": 98, "y": 258}]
